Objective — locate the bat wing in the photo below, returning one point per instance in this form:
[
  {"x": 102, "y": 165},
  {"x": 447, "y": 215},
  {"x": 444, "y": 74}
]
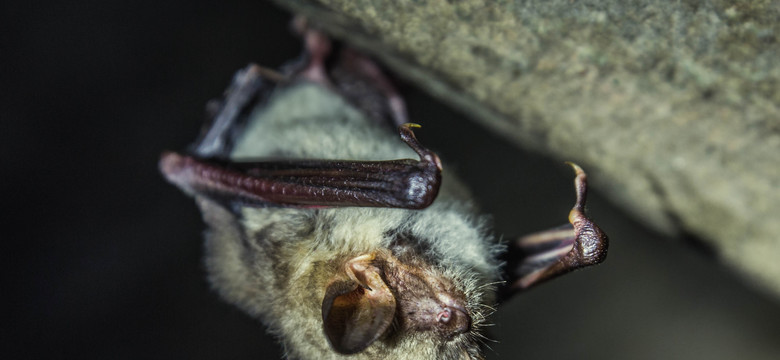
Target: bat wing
[
  {"x": 407, "y": 183},
  {"x": 541, "y": 256}
]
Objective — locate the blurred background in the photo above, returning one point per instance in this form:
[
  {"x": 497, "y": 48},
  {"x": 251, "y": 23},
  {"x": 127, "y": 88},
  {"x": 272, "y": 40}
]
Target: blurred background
[{"x": 102, "y": 259}]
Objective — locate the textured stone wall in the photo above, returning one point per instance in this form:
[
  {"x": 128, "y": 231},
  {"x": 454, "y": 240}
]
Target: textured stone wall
[{"x": 673, "y": 107}]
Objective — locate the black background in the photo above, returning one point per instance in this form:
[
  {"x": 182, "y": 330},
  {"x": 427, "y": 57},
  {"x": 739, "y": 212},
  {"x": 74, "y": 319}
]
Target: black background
[{"x": 101, "y": 257}]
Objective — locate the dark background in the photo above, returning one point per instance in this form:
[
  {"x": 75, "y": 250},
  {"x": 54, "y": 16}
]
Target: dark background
[{"x": 101, "y": 257}]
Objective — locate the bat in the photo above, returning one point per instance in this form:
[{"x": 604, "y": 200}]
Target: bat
[{"x": 344, "y": 251}]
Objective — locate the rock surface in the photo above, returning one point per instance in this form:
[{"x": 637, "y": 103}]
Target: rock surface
[{"x": 674, "y": 108}]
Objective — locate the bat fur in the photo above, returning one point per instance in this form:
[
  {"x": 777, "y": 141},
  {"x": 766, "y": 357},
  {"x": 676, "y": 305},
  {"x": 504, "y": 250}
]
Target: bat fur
[{"x": 276, "y": 263}]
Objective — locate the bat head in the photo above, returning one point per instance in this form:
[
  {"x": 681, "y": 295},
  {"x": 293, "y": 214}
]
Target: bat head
[{"x": 359, "y": 310}]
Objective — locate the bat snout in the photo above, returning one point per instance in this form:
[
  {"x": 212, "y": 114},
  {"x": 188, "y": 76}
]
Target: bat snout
[
  {"x": 453, "y": 318},
  {"x": 454, "y": 321}
]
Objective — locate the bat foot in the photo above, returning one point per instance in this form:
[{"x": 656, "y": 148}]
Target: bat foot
[
  {"x": 317, "y": 49},
  {"x": 353, "y": 74}
]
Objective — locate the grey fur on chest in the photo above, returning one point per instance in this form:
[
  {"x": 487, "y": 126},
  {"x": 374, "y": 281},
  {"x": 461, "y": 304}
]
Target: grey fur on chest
[{"x": 309, "y": 121}]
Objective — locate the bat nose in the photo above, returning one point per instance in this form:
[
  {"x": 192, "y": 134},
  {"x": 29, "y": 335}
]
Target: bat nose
[{"x": 454, "y": 320}]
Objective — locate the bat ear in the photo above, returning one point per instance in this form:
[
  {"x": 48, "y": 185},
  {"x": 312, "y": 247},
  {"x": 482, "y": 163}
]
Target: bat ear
[{"x": 358, "y": 311}]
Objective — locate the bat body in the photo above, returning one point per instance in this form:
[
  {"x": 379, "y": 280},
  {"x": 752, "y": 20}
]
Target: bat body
[
  {"x": 276, "y": 263},
  {"x": 340, "y": 249}
]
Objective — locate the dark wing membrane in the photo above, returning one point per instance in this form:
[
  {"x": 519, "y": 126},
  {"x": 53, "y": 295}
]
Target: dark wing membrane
[
  {"x": 535, "y": 258},
  {"x": 225, "y": 116},
  {"x": 399, "y": 183}
]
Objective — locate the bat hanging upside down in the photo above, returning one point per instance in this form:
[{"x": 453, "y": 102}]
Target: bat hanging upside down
[{"x": 337, "y": 248}]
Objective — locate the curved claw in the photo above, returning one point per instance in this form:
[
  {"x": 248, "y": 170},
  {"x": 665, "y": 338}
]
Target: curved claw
[{"x": 426, "y": 156}]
